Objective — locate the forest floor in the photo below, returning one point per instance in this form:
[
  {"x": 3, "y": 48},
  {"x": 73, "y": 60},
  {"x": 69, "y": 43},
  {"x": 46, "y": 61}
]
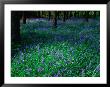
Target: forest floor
[{"x": 70, "y": 50}]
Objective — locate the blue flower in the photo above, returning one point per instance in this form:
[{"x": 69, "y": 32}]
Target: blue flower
[
  {"x": 55, "y": 75},
  {"x": 40, "y": 69},
  {"x": 43, "y": 60}
]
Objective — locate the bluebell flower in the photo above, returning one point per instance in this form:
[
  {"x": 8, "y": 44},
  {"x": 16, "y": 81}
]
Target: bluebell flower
[
  {"x": 21, "y": 55},
  {"x": 40, "y": 69},
  {"x": 43, "y": 60},
  {"x": 55, "y": 75},
  {"x": 58, "y": 72},
  {"x": 28, "y": 69}
]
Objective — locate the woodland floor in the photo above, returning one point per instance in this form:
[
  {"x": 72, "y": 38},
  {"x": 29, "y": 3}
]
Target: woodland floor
[{"x": 70, "y": 50}]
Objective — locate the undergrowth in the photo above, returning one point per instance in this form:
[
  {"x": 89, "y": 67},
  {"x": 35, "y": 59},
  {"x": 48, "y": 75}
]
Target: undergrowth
[{"x": 70, "y": 50}]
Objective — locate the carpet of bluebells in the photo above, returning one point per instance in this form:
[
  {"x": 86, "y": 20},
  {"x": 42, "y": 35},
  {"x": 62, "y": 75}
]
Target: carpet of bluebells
[{"x": 70, "y": 50}]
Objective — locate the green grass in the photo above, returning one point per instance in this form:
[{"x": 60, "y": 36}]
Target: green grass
[{"x": 68, "y": 51}]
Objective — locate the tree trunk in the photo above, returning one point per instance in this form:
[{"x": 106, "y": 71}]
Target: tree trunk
[
  {"x": 39, "y": 14},
  {"x": 55, "y": 19},
  {"x": 64, "y": 16},
  {"x": 49, "y": 13},
  {"x": 87, "y": 16},
  {"x": 75, "y": 14},
  {"x": 24, "y": 18},
  {"x": 94, "y": 14},
  {"x": 15, "y": 26},
  {"x": 58, "y": 14},
  {"x": 70, "y": 14}
]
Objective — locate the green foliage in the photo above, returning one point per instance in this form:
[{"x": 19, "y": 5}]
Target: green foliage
[{"x": 72, "y": 50}]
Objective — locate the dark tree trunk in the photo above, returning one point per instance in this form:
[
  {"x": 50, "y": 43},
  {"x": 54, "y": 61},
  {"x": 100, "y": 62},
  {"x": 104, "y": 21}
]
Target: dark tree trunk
[
  {"x": 87, "y": 16},
  {"x": 58, "y": 14},
  {"x": 42, "y": 13},
  {"x": 24, "y": 18},
  {"x": 39, "y": 14},
  {"x": 70, "y": 14},
  {"x": 64, "y": 16},
  {"x": 94, "y": 14},
  {"x": 15, "y": 26},
  {"x": 55, "y": 19},
  {"x": 49, "y": 13},
  {"x": 75, "y": 14}
]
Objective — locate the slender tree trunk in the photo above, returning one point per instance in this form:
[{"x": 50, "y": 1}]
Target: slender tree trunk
[
  {"x": 55, "y": 19},
  {"x": 58, "y": 14},
  {"x": 67, "y": 15},
  {"x": 42, "y": 14},
  {"x": 15, "y": 26},
  {"x": 64, "y": 16},
  {"x": 39, "y": 14},
  {"x": 24, "y": 18},
  {"x": 87, "y": 16},
  {"x": 94, "y": 14},
  {"x": 75, "y": 14},
  {"x": 70, "y": 14},
  {"x": 49, "y": 13}
]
